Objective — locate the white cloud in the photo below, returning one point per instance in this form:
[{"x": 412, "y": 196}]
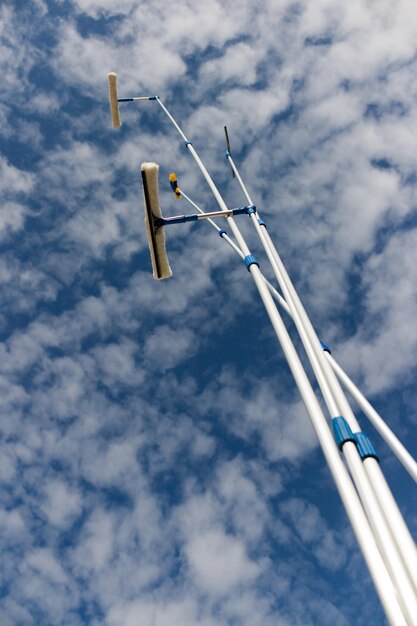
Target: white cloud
[
  {"x": 384, "y": 348},
  {"x": 219, "y": 562},
  {"x": 97, "y": 7},
  {"x": 12, "y": 524},
  {"x": 237, "y": 64},
  {"x": 15, "y": 180},
  {"x": 43, "y": 562},
  {"x": 143, "y": 613},
  {"x": 117, "y": 361},
  {"x": 313, "y": 531},
  {"x": 62, "y": 504},
  {"x": 168, "y": 347},
  {"x": 254, "y": 409},
  {"x": 12, "y": 217}
]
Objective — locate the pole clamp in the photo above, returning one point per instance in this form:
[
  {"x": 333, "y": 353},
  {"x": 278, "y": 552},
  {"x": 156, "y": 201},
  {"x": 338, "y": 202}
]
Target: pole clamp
[
  {"x": 222, "y": 232},
  {"x": 365, "y": 446},
  {"x": 187, "y": 143},
  {"x": 325, "y": 348},
  {"x": 250, "y": 210},
  {"x": 342, "y": 431},
  {"x": 250, "y": 260},
  {"x": 261, "y": 222}
]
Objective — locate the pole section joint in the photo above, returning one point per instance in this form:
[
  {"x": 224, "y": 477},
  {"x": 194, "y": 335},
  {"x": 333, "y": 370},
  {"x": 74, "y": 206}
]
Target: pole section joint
[
  {"x": 325, "y": 348},
  {"x": 342, "y": 431},
  {"x": 365, "y": 446},
  {"x": 250, "y": 260}
]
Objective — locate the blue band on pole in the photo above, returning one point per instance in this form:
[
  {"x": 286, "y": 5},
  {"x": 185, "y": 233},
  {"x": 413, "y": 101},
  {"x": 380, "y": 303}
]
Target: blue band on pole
[
  {"x": 325, "y": 348},
  {"x": 222, "y": 232},
  {"x": 247, "y": 210},
  {"x": 153, "y": 97},
  {"x": 342, "y": 432},
  {"x": 188, "y": 143},
  {"x": 250, "y": 260},
  {"x": 365, "y": 446},
  {"x": 240, "y": 211},
  {"x": 227, "y": 154},
  {"x": 261, "y": 222}
]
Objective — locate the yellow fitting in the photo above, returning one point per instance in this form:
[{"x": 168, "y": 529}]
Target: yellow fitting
[{"x": 174, "y": 185}]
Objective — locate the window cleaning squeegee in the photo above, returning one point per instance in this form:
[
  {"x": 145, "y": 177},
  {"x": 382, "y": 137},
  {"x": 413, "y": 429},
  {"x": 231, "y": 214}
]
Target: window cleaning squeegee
[
  {"x": 155, "y": 222},
  {"x": 153, "y": 219},
  {"x": 114, "y": 104},
  {"x": 114, "y": 100}
]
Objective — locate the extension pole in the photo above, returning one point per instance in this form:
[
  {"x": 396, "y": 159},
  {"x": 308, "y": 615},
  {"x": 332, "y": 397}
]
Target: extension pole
[
  {"x": 348, "y": 494},
  {"x": 369, "y": 481}
]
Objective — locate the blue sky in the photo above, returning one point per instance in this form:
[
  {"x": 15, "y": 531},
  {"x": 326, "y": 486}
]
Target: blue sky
[{"x": 157, "y": 467}]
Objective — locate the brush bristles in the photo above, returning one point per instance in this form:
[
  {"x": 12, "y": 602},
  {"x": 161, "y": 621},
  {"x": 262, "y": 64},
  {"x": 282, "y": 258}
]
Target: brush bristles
[
  {"x": 114, "y": 105},
  {"x": 156, "y": 236}
]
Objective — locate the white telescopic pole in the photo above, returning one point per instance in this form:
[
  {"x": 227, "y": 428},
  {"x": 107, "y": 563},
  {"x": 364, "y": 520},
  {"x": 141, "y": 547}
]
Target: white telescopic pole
[
  {"x": 348, "y": 494},
  {"x": 364, "y": 474}
]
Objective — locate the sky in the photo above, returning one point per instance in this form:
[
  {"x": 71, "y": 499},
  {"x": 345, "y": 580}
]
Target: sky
[{"x": 157, "y": 467}]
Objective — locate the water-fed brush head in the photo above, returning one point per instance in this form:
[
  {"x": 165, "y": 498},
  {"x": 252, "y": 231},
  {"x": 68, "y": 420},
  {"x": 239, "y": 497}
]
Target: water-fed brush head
[
  {"x": 114, "y": 105},
  {"x": 154, "y": 231}
]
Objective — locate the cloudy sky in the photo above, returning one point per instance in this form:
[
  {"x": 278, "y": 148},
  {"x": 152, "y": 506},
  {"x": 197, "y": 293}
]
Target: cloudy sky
[{"x": 157, "y": 467}]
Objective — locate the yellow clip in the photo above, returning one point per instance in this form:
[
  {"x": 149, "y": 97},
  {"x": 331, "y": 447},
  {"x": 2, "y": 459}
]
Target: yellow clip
[{"x": 174, "y": 185}]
